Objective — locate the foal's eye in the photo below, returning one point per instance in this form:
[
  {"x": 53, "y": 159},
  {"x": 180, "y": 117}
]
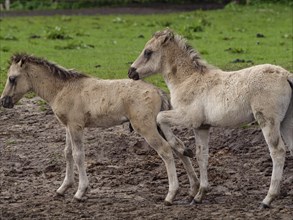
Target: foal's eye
[
  {"x": 12, "y": 79},
  {"x": 147, "y": 53}
]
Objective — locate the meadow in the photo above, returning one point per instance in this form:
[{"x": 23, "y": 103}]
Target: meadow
[{"x": 104, "y": 46}]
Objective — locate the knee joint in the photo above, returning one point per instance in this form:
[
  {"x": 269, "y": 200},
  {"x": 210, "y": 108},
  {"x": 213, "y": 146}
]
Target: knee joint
[{"x": 161, "y": 118}]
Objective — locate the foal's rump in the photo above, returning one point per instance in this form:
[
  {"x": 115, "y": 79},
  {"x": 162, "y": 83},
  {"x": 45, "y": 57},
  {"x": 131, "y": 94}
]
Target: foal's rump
[
  {"x": 270, "y": 90},
  {"x": 273, "y": 100}
]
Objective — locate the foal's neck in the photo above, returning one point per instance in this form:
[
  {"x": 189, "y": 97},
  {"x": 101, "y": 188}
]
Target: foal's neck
[
  {"x": 177, "y": 68},
  {"x": 44, "y": 83}
]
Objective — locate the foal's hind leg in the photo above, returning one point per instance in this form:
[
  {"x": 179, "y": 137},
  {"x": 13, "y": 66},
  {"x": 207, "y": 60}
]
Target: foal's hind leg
[
  {"x": 69, "y": 176},
  {"x": 271, "y": 131},
  {"x": 165, "y": 119},
  {"x": 150, "y": 133},
  {"x": 181, "y": 153},
  {"x": 174, "y": 141},
  {"x": 192, "y": 177}
]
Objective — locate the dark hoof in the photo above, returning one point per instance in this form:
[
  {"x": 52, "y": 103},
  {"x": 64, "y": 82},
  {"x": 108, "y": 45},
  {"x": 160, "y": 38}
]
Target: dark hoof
[
  {"x": 188, "y": 152},
  {"x": 166, "y": 203},
  {"x": 264, "y": 206},
  {"x": 59, "y": 195},
  {"x": 82, "y": 199},
  {"x": 194, "y": 202}
]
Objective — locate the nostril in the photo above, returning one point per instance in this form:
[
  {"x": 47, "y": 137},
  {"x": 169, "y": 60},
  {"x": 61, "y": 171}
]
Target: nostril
[
  {"x": 6, "y": 102},
  {"x": 131, "y": 70},
  {"x": 133, "y": 74}
]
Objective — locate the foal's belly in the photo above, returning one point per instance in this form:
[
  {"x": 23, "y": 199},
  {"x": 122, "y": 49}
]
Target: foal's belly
[
  {"x": 228, "y": 116},
  {"x": 104, "y": 121}
]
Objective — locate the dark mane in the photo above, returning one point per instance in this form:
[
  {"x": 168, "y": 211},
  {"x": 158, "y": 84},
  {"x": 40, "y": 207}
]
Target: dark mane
[{"x": 55, "y": 69}]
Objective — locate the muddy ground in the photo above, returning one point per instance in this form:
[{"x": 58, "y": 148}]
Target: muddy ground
[{"x": 128, "y": 180}]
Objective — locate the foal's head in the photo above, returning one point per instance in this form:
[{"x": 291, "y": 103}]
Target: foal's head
[
  {"x": 17, "y": 83},
  {"x": 150, "y": 59},
  {"x": 160, "y": 54},
  {"x": 28, "y": 72}
]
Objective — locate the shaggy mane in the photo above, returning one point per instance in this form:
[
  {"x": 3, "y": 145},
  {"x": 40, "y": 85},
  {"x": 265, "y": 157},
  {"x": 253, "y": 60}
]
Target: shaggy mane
[
  {"x": 199, "y": 64},
  {"x": 55, "y": 69},
  {"x": 194, "y": 56}
]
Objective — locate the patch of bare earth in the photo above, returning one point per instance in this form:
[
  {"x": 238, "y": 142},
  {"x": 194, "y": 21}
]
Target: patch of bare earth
[{"x": 127, "y": 178}]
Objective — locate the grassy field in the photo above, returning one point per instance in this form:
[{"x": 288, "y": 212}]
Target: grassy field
[{"x": 105, "y": 46}]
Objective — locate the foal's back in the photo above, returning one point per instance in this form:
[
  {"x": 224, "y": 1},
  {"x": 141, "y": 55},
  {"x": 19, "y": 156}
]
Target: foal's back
[{"x": 104, "y": 103}]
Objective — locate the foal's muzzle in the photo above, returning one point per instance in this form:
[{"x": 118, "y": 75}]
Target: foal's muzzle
[
  {"x": 132, "y": 74},
  {"x": 6, "y": 102}
]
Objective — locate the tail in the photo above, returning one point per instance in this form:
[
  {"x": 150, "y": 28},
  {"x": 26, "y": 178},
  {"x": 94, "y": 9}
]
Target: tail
[
  {"x": 166, "y": 104},
  {"x": 287, "y": 123},
  {"x": 290, "y": 81}
]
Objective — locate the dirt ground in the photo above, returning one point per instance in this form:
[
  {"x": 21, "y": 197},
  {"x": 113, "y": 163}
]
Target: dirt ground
[{"x": 128, "y": 180}]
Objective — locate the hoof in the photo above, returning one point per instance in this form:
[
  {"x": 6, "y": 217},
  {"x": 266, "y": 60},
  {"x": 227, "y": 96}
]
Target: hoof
[
  {"x": 57, "y": 194},
  {"x": 188, "y": 152},
  {"x": 264, "y": 206},
  {"x": 166, "y": 203},
  {"x": 79, "y": 196},
  {"x": 82, "y": 199},
  {"x": 194, "y": 202}
]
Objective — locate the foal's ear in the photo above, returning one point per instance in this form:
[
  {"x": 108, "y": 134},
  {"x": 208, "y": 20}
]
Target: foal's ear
[
  {"x": 167, "y": 38},
  {"x": 20, "y": 63}
]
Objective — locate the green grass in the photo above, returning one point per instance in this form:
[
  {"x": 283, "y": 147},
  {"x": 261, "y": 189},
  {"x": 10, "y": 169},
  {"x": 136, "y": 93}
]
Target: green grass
[{"x": 104, "y": 46}]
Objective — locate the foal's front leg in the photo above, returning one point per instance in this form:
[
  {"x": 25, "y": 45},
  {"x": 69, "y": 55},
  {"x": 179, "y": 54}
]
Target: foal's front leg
[
  {"x": 69, "y": 176},
  {"x": 202, "y": 156},
  {"x": 76, "y": 134}
]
